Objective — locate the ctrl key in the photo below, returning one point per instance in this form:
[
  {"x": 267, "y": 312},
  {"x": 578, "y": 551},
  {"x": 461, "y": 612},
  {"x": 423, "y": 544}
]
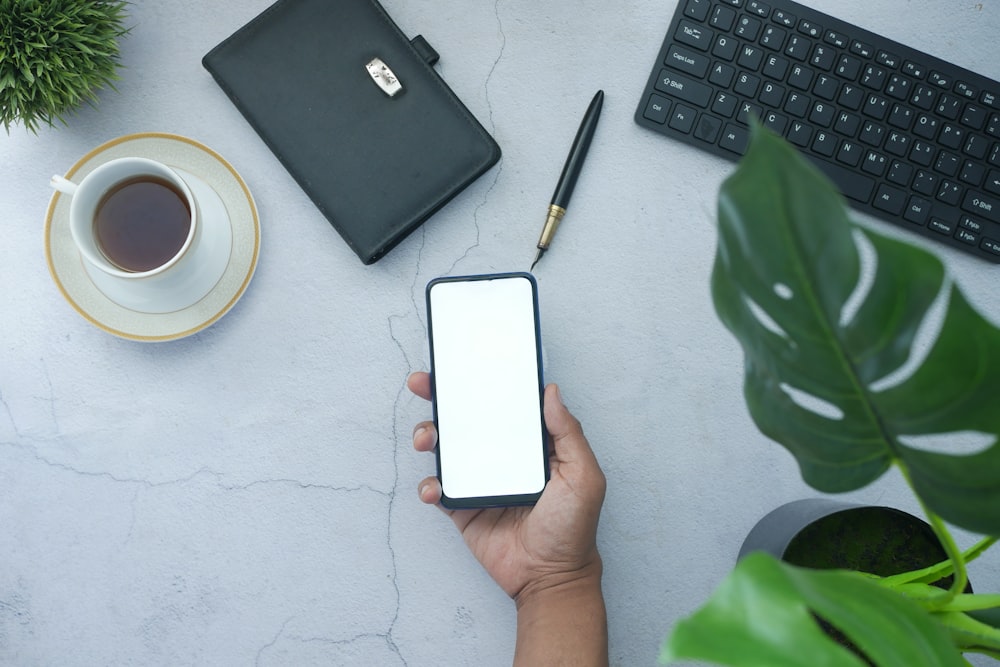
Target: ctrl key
[{"x": 657, "y": 109}]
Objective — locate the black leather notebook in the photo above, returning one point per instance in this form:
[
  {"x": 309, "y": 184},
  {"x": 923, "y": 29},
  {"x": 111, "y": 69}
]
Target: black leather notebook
[{"x": 356, "y": 113}]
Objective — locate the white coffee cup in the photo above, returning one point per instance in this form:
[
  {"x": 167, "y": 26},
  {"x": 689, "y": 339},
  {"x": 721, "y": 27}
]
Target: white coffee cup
[{"x": 94, "y": 192}]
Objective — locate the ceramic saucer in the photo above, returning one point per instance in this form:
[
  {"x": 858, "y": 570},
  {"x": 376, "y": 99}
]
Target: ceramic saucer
[{"x": 146, "y": 315}]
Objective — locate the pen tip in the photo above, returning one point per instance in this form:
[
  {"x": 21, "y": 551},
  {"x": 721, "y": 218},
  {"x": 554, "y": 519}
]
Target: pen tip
[{"x": 537, "y": 257}]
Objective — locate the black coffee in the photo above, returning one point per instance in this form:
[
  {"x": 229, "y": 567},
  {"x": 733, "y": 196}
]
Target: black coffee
[{"x": 141, "y": 223}]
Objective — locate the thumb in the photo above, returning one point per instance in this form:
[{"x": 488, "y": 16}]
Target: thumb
[{"x": 567, "y": 434}]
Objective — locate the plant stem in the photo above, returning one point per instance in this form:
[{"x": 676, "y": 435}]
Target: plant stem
[{"x": 961, "y": 579}]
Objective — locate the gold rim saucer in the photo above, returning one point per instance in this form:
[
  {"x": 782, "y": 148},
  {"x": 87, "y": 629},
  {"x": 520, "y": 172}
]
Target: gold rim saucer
[{"x": 70, "y": 276}]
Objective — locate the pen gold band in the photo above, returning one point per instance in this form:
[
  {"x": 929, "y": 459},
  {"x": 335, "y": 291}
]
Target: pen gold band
[{"x": 556, "y": 214}]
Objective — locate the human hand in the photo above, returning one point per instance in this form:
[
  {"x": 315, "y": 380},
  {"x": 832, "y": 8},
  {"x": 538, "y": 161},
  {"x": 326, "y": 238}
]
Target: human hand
[{"x": 528, "y": 550}]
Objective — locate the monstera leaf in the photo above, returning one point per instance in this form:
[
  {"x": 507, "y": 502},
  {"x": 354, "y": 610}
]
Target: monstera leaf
[
  {"x": 762, "y": 615},
  {"x": 832, "y": 319}
]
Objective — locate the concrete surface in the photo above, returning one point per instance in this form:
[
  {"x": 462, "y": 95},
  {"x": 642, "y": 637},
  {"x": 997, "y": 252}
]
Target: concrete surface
[{"x": 248, "y": 494}]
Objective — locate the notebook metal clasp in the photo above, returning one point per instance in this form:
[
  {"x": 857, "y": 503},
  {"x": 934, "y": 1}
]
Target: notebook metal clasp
[{"x": 383, "y": 77}]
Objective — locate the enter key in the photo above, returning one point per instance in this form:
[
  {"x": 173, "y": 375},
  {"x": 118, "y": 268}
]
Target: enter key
[{"x": 982, "y": 205}]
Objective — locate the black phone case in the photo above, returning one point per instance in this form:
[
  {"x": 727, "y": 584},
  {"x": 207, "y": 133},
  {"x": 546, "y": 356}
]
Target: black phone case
[
  {"x": 377, "y": 166},
  {"x": 491, "y": 501}
]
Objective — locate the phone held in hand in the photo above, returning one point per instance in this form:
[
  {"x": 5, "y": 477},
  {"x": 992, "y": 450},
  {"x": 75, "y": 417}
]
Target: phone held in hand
[{"x": 486, "y": 387}]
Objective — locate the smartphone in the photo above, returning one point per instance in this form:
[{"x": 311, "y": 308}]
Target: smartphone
[{"x": 486, "y": 386}]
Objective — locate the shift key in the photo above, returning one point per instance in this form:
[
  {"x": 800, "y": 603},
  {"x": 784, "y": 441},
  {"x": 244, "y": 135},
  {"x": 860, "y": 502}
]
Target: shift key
[
  {"x": 983, "y": 206},
  {"x": 683, "y": 88}
]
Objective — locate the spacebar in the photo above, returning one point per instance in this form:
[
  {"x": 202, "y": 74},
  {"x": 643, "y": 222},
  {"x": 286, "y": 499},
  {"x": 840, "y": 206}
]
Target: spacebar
[{"x": 850, "y": 183}]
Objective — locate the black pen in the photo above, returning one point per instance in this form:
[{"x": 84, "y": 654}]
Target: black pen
[{"x": 570, "y": 172}]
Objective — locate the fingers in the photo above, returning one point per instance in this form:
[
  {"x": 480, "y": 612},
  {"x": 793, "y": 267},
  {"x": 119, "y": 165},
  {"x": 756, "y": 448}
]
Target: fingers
[
  {"x": 420, "y": 384},
  {"x": 567, "y": 435},
  {"x": 424, "y": 437},
  {"x": 429, "y": 491}
]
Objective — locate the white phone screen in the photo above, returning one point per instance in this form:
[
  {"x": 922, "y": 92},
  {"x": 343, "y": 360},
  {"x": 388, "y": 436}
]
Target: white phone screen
[{"x": 487, "y": 387}]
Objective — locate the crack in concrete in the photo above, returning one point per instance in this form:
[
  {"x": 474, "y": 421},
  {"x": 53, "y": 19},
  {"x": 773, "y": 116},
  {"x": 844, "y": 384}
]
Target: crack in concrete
[
  {"x": 274, "y": 640},
  {"x": 493, "y": 129}
]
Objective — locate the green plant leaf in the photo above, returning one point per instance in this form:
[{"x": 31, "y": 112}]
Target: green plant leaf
[
  {"x": 823, "y": 338},
  {"x": 762, "y": 616}
]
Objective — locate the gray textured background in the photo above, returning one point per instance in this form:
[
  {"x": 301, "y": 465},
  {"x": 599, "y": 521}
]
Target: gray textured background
[{"x": 247, "y": 495}]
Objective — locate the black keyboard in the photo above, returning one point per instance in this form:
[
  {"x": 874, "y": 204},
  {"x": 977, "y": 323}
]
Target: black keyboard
[{"x": 905, "y": 136}]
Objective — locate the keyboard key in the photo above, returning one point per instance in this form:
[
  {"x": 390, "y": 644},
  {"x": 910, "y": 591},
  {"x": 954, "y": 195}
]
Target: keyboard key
[
  {"x": 683, "y": 60},
  {"x": 850, "y": 182},
  {"x": 872, "y": 134},
  {"x": 926, "y": 126},
  {"x": 889, "y": 199},
  {"x": 898, "y": 144},
  {"x": 823, "y": 57},
  {"x": 952, "y": 136},
  {"x": 697, "y": 9},
  {"x": 810, "y": 28},
  {"x": 850, "y": 154},
  {"x": 723, "y": 18},
  {"x": 922, "y": 153},
  {"x": 942, "y": 226},
  {"x": 798, "y": 47},
  {"x": 797, "y": 104},
  {"x": 848, "y": 68},
  {"x": 826, "y": 87},
  {"x": 976, "y": 147},
  {"x": 750, "y": 57},
  {"x": 775, "y": 68},
  {"x": 682, "y": 119},
  {"x": 684, "y": 88},
  {"x": 725, "y": 47},
  {"x": 825, "y": 143},
  {"x": 801, "y": 78},
  {"x": 834, "y": 38},
  {"x": 656, "y": 109},
  {"x": 708, "y": 128},
  {"x": 773, "y": 38},
  {"x": 900, "y": 173},
  {"x": 875, "y": 164},
  {"x": 822, "y": 114},
  {"x": 967, "y": 91},
  {"x": 725, "y": 104},
  {"x": 973, "y": 174},
  {"x": 917, "y": 211},
  {"x": 782, "y": 17},
  {"x": 735, "y": 139},
  {"x": 901, "y": 117},
  {"x": 924, "y": 97},
  {"x": 759, "y": 8},
  {"x": 965, "y": 236},
  {"x": 772, "y": 95},
  {"x": 847, "y": 124},
  {"x": 694, "y": 35},
  {"x": 982, "y": 205},
  {"x": 990, "y": 245},
  {"x": 861, "y": 49},
  {"x": 898, "y": 87},
  {"x": 876, "y": 106},
  {"x": 748, "y": 28},
  {"x": 949, "y": 107},
  {"x": 948, "y": 163},
  {"x": 974, "y": 116},
  {"x": 722, "y": 75},
  {"x": 971, "y": 224},
  {"x": 925, "y": 183},
  {"x": 799, "y": 134},
  {"x": 749, "y": 111},
  {"x": 949, "y": 193},
  {"x": 940, "y": 80},
  {"x": 890, "y": 60},
  {"x": 874, "y": 77},
  {"x": 993, "y": 182},
  {"x": 851, "y": 97},
  {"x": 747, "y": 85},
  {"x": 993, "y": 127},
  {"x": 914, "y": 70},
  {"x": 775, "y": 122}
]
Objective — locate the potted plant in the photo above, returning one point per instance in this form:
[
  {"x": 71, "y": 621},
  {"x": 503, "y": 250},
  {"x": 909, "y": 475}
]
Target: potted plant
[
  {"x": 830, "y": 315},
  {"x": 55, "y": 55}
]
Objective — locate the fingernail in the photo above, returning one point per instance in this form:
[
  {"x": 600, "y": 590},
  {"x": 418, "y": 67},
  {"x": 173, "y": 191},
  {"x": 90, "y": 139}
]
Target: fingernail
[
  {"x": 421, "y": 489},
  {"x": 416, "y": 434}
]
